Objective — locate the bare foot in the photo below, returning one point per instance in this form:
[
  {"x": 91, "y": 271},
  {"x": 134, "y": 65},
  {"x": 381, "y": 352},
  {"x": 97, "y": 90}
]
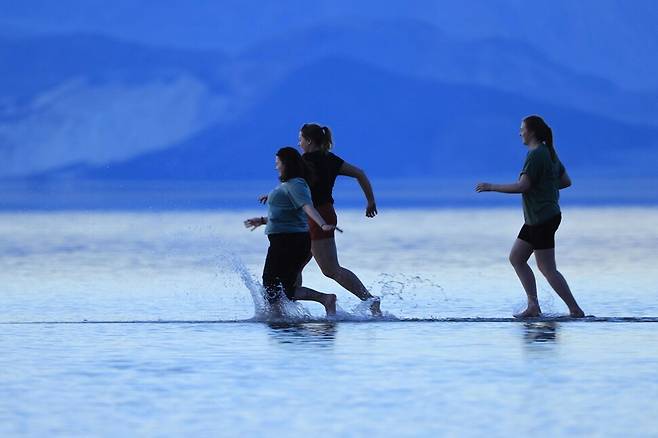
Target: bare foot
[
  {"x": 330, "y": 304},
  {"x": 374, "y": 307},
  {"x": 577, "y": 313},
  {"x": 530, "y": 312}
]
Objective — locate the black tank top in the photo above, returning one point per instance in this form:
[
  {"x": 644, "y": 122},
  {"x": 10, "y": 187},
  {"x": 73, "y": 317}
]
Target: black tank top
[{"x": 324, "y": 168}]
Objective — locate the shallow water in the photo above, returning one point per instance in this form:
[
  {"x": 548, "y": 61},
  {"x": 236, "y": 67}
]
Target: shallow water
[{"x": 175, "y": 356}]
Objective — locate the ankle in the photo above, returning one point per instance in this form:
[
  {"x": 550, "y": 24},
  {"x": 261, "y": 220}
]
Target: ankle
[{"x": 533, "y": 304}]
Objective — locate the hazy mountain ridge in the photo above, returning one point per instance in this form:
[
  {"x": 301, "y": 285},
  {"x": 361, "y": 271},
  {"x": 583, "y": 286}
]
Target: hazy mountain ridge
[
  {"x": 121, "y": 108},
  {"x": 92, "y": 99},
  {"x": 394, "y": 128},
  {"x": 33, "y": 64},
  {"x": 419, "y": 50}
]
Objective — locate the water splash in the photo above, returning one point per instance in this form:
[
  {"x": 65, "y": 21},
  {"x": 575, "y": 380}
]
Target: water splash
[
  {"x": 391, "y": 288},
  {"x": 284, "y": 310},
  {"x": 233, "y": 263},
  {"x": 399, "y": 286},
  {"x": 408, "y": 295}
]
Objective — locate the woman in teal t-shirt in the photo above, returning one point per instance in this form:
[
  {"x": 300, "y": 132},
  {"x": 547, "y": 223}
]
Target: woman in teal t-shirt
[
  {"x": 542, "y": 177},
  {"x": 287, "y": 230}
]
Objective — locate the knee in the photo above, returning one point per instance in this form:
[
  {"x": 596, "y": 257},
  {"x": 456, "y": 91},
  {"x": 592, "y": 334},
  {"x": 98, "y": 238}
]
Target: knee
[
  {"x": 515, "y": 260},
  {"x": 547, "y": 270}
]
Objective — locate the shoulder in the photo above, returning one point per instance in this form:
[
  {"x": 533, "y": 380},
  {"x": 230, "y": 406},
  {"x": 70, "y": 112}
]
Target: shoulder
[
  {"x": 298, "y": 183},
  {"x": 298, "y": 192},
  {"x": 335, "y": 160},
  {"x": 539, "y": 153},
  {"x": 312, "y": 155},
  {"x": 534, "y": 152}
]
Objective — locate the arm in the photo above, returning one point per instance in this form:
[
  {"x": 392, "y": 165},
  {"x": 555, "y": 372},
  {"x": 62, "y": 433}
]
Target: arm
[
  {"x": 313, "y": 213},
  {"x": 565, "y": 181},
  {"x": 348, "y": 170},
  {"x": 521, "y": 186},
  {"x": 255, "y": 222}
]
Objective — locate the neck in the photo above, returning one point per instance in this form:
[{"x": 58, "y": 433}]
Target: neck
[
  {"x": 314, "y": 148},
  {"x": 533, "y": 143}
]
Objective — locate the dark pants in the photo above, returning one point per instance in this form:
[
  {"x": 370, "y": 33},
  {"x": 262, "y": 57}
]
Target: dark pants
[{"x": 286, "y": 257}]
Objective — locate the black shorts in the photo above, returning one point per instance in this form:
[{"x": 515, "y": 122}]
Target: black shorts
[
  {"x": 286, "y": 257},
  {"x": 541, "y": 236}
]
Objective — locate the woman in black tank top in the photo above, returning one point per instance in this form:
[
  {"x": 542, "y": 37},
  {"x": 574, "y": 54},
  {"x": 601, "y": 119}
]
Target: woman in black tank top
[{"x": 316, "y": 143}]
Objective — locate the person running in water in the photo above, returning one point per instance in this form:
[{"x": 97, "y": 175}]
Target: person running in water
[
  {"x": 542, "y": 176},
  {"x": 289, "y": 205},
  {"x": 316, "y": 143}
]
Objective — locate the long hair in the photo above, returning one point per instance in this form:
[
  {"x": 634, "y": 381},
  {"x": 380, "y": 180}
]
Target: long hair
[
  {"x": 542, "y": 131},
  {"x": 319, "y": 135},
  {"x": 293, "y": 164}
]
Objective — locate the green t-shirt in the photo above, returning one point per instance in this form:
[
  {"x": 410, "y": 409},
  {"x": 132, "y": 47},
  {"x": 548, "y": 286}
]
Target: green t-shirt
[
  {"x": 540, "y": 203},
  {"x": 285, "y": 202}
]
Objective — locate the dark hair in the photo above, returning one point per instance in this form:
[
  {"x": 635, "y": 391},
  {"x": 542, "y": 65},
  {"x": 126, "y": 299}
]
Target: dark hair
[
  {"x": 293, "y": 164},
  {"x": 319, "y": 135},
  {"x": 542, "y": 131}
]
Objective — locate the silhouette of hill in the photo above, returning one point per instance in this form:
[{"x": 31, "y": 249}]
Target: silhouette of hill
[{"x": 393, "y": 127}]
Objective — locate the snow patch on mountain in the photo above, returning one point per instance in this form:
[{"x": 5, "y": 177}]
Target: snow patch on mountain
[{"x": 79, "y": 122}]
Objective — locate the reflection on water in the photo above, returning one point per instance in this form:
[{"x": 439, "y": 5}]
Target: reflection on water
[
  {"x": 539, "y": 332},
  {"x": 319, "y": 333}
]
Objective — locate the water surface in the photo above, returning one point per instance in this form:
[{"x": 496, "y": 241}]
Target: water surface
[{"x": 168, "y": 347}]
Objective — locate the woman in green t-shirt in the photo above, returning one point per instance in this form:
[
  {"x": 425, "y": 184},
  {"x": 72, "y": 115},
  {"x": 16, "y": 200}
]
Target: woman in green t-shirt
[{"x": 541, "y": 179}]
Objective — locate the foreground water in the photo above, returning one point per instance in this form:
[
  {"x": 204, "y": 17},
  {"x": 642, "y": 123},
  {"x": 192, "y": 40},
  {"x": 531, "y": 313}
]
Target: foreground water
[{"x": 139, "y": 324}]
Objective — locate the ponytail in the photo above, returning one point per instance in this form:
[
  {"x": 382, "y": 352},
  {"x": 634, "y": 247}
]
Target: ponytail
[
  {"x": 543, "y": 133},
  {"x": 549, "y": 143},
  {"x": 319, "y": 135},
  {"x": 328, "y": 142}
]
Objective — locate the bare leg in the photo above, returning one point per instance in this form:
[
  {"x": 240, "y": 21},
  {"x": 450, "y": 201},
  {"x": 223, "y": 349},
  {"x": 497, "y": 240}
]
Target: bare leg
[
  {"x": 299, "y": 280},
  {"x": 325, "y": 254},
  {"x": 327, "y": 300},
  {"x": 324, "y": 251},
  {"x": 518, "y": 257},
  {"x": 546, "y": 264}
]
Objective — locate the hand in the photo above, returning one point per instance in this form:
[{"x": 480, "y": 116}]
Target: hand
[
  {"x": 371, "y": 209},
  {"x": 262, "y": 199},
  {"x": 254, "y": 223},
  {"x": 483, "y": 187}
]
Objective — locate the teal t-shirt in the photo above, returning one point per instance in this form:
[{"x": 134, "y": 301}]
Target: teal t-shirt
[
  {"x": 540, "y": 203},
  {"x": 285, "y": 202}
]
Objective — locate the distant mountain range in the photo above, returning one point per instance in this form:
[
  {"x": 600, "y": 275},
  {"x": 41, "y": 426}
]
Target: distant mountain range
[
  {"x": 392, "y": 126},
  {"x": 404, "y": 99}
]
